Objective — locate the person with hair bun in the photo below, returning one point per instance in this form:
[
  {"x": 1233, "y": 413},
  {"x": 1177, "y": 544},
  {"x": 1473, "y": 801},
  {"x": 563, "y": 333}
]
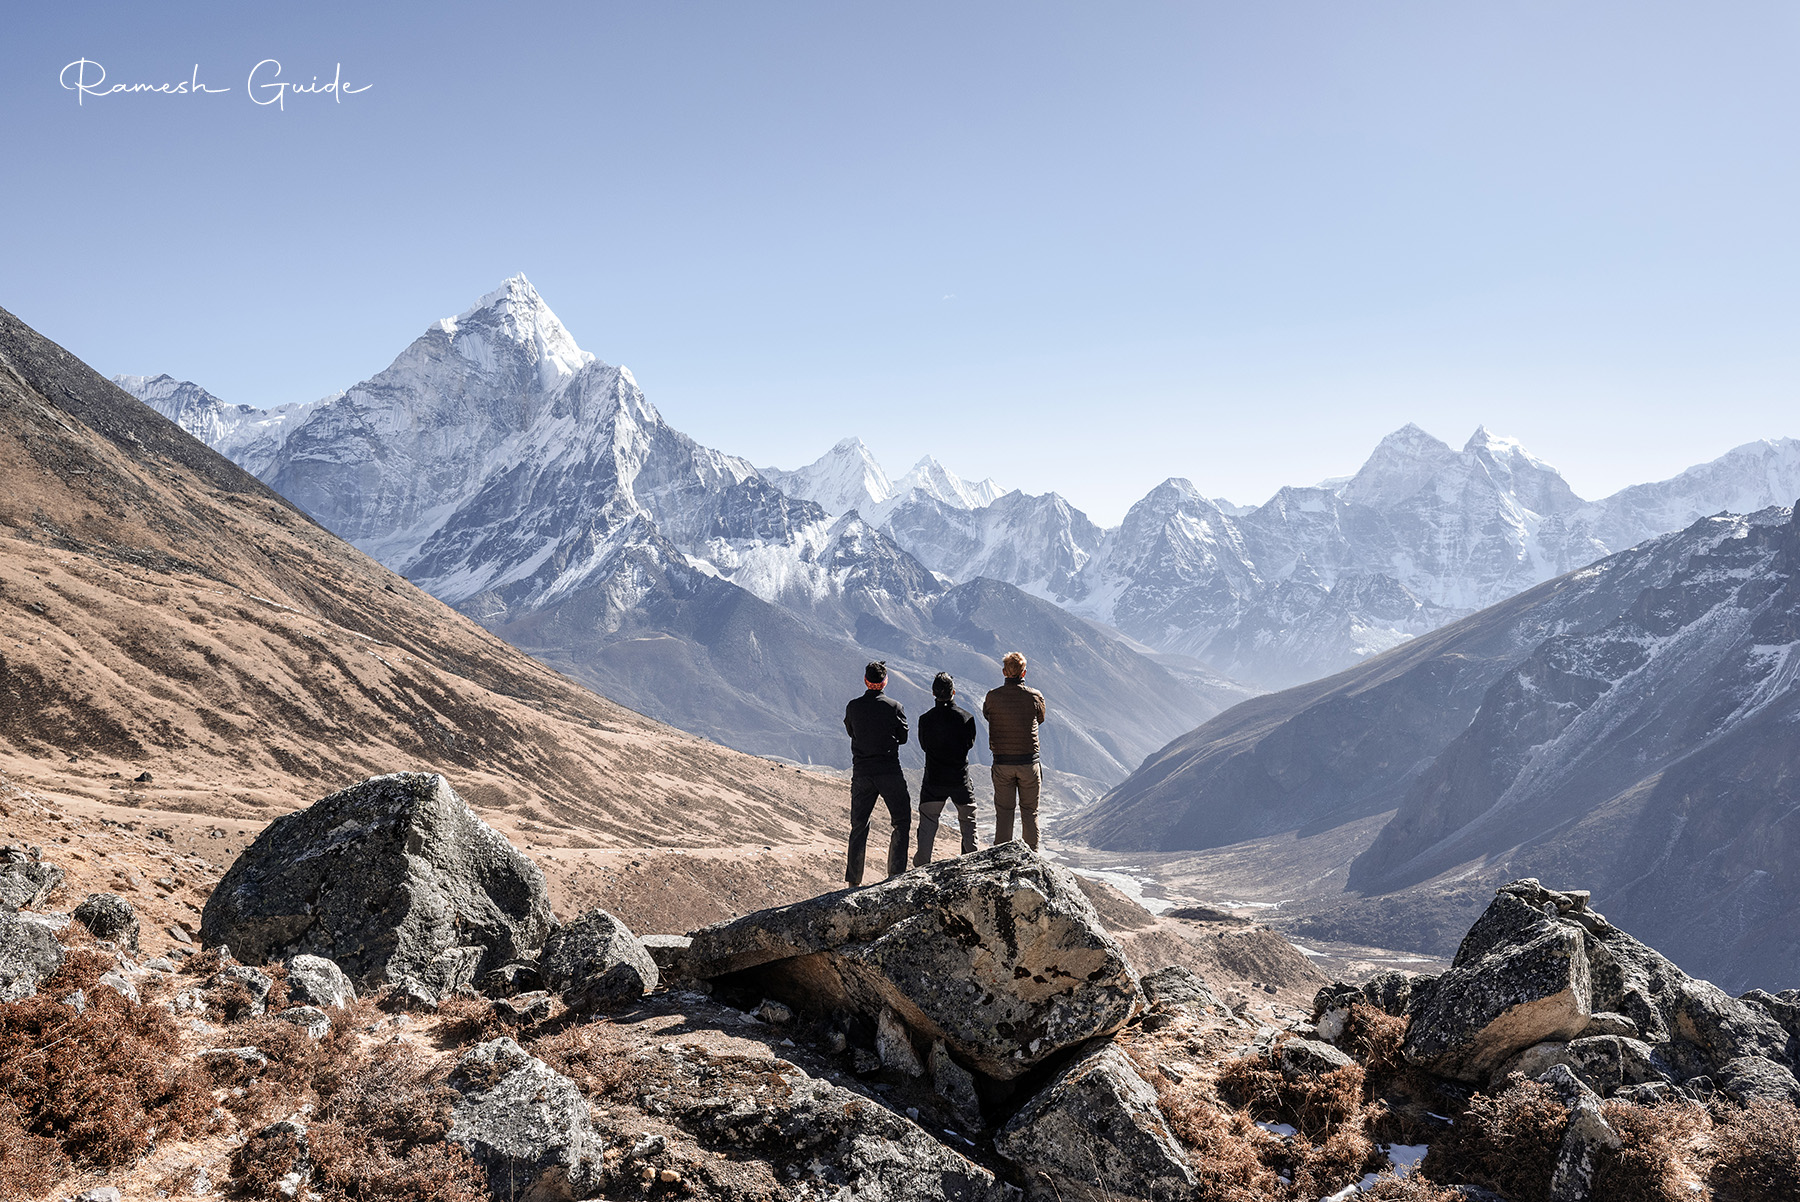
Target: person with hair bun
[
  {"x": 877, "y": 726},
  {"x": 946, "y": 733},
  {"x": 1013, "y": 714}
]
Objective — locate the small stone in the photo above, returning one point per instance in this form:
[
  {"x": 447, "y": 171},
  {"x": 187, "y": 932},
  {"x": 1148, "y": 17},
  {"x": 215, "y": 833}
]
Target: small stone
[
  {"x": 109, "y": 916},
  {"x": 317, "y": 981},
  {"x": 310, "y": 1019},
  {"x": 179, "y": 935},
  {"x": 956, "y": 1085},
  {"x": 121, "y": 985},
  {"x": 100, "y": 1193},
  {"x": 836, "y": 1040},
  {"x": 143, "y": 778},
  {"x": 774, "y": 1013},
  {"x": 669, "y": 1177}
]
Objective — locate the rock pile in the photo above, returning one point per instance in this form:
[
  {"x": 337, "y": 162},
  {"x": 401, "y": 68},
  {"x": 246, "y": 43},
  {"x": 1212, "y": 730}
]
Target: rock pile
[{"x": 1542, "y": 980}]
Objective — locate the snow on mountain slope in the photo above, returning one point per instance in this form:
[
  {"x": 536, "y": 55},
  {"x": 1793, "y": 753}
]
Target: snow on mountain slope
[
  {"x": 242, "y": 433},
  {"x": 847, "y": 477},
  {"x": 535, "y": 487}
]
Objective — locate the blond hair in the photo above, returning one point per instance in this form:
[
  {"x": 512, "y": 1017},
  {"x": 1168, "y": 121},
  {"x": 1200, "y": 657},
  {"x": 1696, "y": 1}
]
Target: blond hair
[{"x": 1013, "y": 664}]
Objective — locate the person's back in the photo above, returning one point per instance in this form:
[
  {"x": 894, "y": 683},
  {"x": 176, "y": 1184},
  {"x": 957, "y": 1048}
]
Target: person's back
[
  {"x": 877, "y": 726},
  {"x": 946, "y": 734},
  {"x": 1013, "y": 714}
]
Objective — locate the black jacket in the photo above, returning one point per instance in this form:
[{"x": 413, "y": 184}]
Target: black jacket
[
  {"x": 877, "y": 726},
  {"x": 946, "y": 733}
]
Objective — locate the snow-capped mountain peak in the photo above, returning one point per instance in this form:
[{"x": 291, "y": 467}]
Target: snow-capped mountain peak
[
  {"x": 514, "y": 313},
  {"x": 249, "y": 435},
  {"x": 932, "y": 478},
  {"x": 845, "y": 478}
]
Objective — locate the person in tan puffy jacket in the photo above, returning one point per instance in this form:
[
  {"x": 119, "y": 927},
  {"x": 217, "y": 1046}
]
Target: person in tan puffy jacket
[{"x": 1013, "y": 714}]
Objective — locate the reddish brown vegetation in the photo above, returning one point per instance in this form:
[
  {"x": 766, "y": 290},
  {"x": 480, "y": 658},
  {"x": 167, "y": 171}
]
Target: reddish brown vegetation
[
  {"x": 92, "y": 1088},
  {"x": 1756, "y": 1154},
  {"x": 379, "y": 1134}
]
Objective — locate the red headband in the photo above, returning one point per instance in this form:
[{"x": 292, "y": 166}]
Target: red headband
[{"x": 876, "y": 684}]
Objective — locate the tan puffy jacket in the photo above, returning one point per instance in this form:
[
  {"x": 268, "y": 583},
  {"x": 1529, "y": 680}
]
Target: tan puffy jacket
[{"x": 1013, "y": 713}]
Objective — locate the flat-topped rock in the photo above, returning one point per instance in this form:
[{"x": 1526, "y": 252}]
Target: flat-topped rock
[{"x": 999, "y": 954}]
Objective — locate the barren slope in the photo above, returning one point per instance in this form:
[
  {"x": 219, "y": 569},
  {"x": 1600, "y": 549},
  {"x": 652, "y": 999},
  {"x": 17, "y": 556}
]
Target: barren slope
[{"x": 161, "y": 611}]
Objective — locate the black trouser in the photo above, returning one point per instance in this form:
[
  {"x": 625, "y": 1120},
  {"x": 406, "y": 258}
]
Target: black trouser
[
  {"x": 891, "y": 788},
  {"x": 934, "y": 791}
]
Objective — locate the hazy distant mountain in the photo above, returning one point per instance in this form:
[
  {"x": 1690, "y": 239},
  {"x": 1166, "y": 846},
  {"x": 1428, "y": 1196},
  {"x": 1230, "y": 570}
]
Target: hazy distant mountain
[
  {"x": 511, "y": 473},
  {"x": 1633, "y": 726},
  {"x": 1320, "y": 578},
  {"x": 248, "y": 436},
  {"x": 847, "y": 478}
]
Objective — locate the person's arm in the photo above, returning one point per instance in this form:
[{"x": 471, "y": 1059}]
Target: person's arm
[
  {"x": 899, "y": 724},
  {"x": 1038, "y": 701},
  {"x": 968, "y": 739},
  {"x": 848, "y": 728}
]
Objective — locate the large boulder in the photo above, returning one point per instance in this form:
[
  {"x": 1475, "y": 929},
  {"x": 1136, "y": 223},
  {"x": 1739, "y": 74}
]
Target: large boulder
[
  {"x": 999, "y": 954},
  {"x": 526, "y": 1124},
  {"x": 109, "y": 916},
  {"x": 1095, "y": 1134},
  {"x": 1505, "y": 991},
  {"x": 25, "y": 880},
  {"x": 1539, "y": 966},
  {"x": 383, "y": 878},
  {"x": 596, "y": 961},
  {"x": 29, "y": 955}
]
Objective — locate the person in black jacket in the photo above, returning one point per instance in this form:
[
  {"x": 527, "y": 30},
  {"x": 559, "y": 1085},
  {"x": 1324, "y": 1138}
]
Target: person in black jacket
[
  {"x": 946, "y": 733},
  {"x": 877, "y": 727}
]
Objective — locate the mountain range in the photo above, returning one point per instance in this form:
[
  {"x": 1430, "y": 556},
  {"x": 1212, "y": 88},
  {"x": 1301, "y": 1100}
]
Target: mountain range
[
  {"x": 1317, "y": 578},
  {"x": 1633, "y": 725},
  {"x": 181, "y": 638},
  {"x": 531, "y": 485}
]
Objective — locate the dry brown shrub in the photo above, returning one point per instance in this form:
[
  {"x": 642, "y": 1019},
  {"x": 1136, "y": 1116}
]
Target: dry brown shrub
[
  {"x": 469, "y": 1020},
  {"x": 29, "y": 1164},
  {"x": 379, "y": 1132},
  {"x": 100, "y": 1084},
  {"x": 1757, "y": 1153},
  {"x": 1507, "y": 1143},
  {"x": 1224, "y": 1148},
  {"x": 593, "y": 1057},
  {"x": 1317, "y": 1107},
  {"x": 1663, "y": 1147}
]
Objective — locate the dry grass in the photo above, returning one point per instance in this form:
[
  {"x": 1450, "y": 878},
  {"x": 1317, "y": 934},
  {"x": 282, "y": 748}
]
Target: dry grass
[
  {"x": 89, "y": 1089},
  {"x": 379, "y": 1134},
  {"x": 469, "y": 1020},
  {"x": 595, "y": 1058},
  {"x": 1507, "y": 1143},
  {"x": 1756, "y": 1153},
  {"x": 1662, "y": 1147}
]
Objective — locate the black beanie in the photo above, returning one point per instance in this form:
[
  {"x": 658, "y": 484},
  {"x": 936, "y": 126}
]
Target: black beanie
[
  {"x": 876, "y": 672},
  {"x": 943, "y": 686}
]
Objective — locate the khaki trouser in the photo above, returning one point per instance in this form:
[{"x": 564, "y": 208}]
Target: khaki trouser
[{"x": 1016, "y": 784}]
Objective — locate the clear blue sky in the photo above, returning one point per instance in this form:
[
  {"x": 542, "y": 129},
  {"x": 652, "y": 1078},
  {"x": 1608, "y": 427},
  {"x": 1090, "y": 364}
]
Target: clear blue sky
[{"x": 1074, "y": 246}]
